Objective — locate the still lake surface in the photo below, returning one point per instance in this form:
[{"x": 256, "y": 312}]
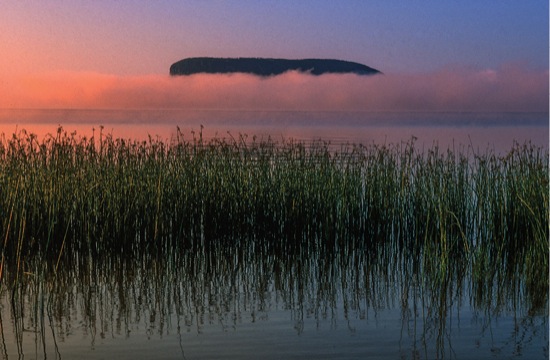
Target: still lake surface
[
  {"x": 484, "y": 131},
  {"x": 256, "y": 301}
]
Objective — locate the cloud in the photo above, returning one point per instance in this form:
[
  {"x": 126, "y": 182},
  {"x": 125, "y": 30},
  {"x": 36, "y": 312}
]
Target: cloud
[{"x": 512, "y": 87}]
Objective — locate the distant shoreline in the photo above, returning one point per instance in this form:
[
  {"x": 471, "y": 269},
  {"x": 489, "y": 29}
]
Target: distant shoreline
[{"x": 267, "y": 67}]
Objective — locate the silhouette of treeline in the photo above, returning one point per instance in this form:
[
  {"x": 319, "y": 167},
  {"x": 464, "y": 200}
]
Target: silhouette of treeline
[{"x": 267, "y": 67}]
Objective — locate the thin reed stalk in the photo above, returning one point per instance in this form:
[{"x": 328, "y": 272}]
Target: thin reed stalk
[{"x": 90, "y": 198}]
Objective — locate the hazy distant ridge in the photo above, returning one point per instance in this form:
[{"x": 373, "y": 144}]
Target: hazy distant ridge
[{"x": 267, "y": 67}]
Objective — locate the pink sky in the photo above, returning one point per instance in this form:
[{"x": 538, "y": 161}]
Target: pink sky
[
  {"x": 511, "y": 87},
  {"x": 443, "y": 56}
]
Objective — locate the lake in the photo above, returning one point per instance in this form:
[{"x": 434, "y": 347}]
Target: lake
[
  {"x": 216, "y": 304},
  {"x": 484, "y": 131},
  {"x": 298, "y": 289}
]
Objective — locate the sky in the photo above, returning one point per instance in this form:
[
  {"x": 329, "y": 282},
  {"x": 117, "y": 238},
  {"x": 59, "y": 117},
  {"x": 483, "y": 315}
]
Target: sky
[{"x": 466, "y": 55}]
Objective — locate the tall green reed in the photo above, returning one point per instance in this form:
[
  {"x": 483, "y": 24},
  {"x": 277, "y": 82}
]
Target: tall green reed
[{"x": 86, "y": 199}]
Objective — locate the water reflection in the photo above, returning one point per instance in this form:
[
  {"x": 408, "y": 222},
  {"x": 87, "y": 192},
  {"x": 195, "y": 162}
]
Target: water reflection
[
  {"x": 497, "y": 131},
  {"x": 179, "y": 299}
]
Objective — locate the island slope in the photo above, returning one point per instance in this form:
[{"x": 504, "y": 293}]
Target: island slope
[{"x": 267, "y": 67}]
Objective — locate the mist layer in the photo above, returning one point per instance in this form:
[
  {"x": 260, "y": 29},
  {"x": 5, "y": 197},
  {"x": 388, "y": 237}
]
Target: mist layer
[{"x": 510, "y": 88}]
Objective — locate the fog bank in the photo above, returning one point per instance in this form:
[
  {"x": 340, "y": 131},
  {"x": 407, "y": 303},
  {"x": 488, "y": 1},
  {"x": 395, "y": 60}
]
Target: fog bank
[{"x": 512, "y": 87}]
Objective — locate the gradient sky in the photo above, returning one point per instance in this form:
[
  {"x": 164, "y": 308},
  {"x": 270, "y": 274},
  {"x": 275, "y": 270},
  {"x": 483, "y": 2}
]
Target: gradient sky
[{"x": 94, "y": 53}]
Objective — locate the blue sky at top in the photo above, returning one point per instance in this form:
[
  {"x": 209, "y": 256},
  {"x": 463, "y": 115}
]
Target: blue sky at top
[{"x": 142, "y": 37}]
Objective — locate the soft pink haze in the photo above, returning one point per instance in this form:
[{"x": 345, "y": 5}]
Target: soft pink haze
[{"x": 511, "y": 87}]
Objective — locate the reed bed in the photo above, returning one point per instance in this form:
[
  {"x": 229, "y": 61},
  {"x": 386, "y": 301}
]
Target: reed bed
[{"x": 87, "y": 199}]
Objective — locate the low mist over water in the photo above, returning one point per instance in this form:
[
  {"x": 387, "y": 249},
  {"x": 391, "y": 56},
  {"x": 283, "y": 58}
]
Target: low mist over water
[{"x": 509, "y": 88}]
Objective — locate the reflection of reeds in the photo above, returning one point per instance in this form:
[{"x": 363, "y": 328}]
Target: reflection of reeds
[
  {"x": 364, "y": 217},
  {"x": 229, "y": 286}
]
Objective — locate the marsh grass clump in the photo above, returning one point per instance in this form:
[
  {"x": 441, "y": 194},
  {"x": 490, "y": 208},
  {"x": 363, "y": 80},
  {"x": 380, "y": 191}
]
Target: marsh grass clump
[{"x": 81, "y": 200}]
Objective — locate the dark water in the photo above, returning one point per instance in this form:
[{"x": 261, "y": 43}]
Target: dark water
[{"x": 261, "y": 298}]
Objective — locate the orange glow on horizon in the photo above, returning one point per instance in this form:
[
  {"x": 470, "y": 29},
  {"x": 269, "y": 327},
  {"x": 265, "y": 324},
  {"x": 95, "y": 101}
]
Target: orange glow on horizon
[{"x": 509, "y": 88}]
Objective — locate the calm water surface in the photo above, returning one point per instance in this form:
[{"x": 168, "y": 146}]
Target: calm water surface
[
  {"x": 240, "y": 302},
  {"x": 483, "y": 131},
  {"x": 244, "y": 303}
]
